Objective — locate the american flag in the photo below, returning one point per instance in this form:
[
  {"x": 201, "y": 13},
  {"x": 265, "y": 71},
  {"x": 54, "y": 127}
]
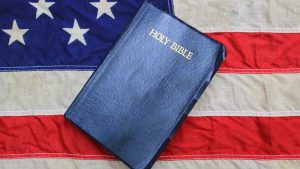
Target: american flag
[{"x": 247, "y": 118}]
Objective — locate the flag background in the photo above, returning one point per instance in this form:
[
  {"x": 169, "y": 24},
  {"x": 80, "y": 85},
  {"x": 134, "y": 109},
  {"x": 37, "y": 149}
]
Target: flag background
[{"x": 247, "y": 118}]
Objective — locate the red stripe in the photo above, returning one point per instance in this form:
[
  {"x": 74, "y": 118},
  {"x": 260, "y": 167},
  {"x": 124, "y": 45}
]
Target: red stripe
[
  {"x": 198, "y": 138},
  {"x": 260, "y": 52}
]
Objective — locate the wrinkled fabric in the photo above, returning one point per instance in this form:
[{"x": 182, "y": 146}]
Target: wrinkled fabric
[{"x": 47, "y": 45}]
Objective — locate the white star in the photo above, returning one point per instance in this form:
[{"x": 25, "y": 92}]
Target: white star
[
  {"x": 15, "y": 33},
  {"x": 42, "y": 7},
  {"x": 104, "y": 7},
  {"x": 76, "y": 33}
]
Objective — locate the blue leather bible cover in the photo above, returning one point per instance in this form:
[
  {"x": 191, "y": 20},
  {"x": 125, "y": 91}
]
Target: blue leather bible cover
[{"x": 152, "y": 77}]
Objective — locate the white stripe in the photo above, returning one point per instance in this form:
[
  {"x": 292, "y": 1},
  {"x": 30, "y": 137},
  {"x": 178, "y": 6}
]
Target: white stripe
[
  {"x": 44, "y": 163},
  {"x": 240, "y": 16},
  {"x": 39, "y": 93},
  {"x": 251, "y": 95},
  {"x": 50, "y": 93}
]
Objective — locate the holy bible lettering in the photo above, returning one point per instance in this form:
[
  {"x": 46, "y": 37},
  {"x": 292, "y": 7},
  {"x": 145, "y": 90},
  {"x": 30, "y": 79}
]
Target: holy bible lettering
[
  {"x": 160, "y": 37},
  {"x": 175, "y": 46}
]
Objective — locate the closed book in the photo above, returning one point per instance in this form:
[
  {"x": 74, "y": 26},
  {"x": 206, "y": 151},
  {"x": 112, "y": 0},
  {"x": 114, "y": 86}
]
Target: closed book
[{"x": 149, "y": 82}]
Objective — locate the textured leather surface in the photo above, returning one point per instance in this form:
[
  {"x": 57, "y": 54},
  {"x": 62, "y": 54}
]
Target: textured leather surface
[{"x": 136, "y": 100}]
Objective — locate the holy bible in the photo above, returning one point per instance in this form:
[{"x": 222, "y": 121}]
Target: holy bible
[{"x": 149, "y": 82}]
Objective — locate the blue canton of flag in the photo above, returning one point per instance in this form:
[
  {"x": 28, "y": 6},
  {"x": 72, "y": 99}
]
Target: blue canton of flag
[{"x": 62, "y": 34}]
